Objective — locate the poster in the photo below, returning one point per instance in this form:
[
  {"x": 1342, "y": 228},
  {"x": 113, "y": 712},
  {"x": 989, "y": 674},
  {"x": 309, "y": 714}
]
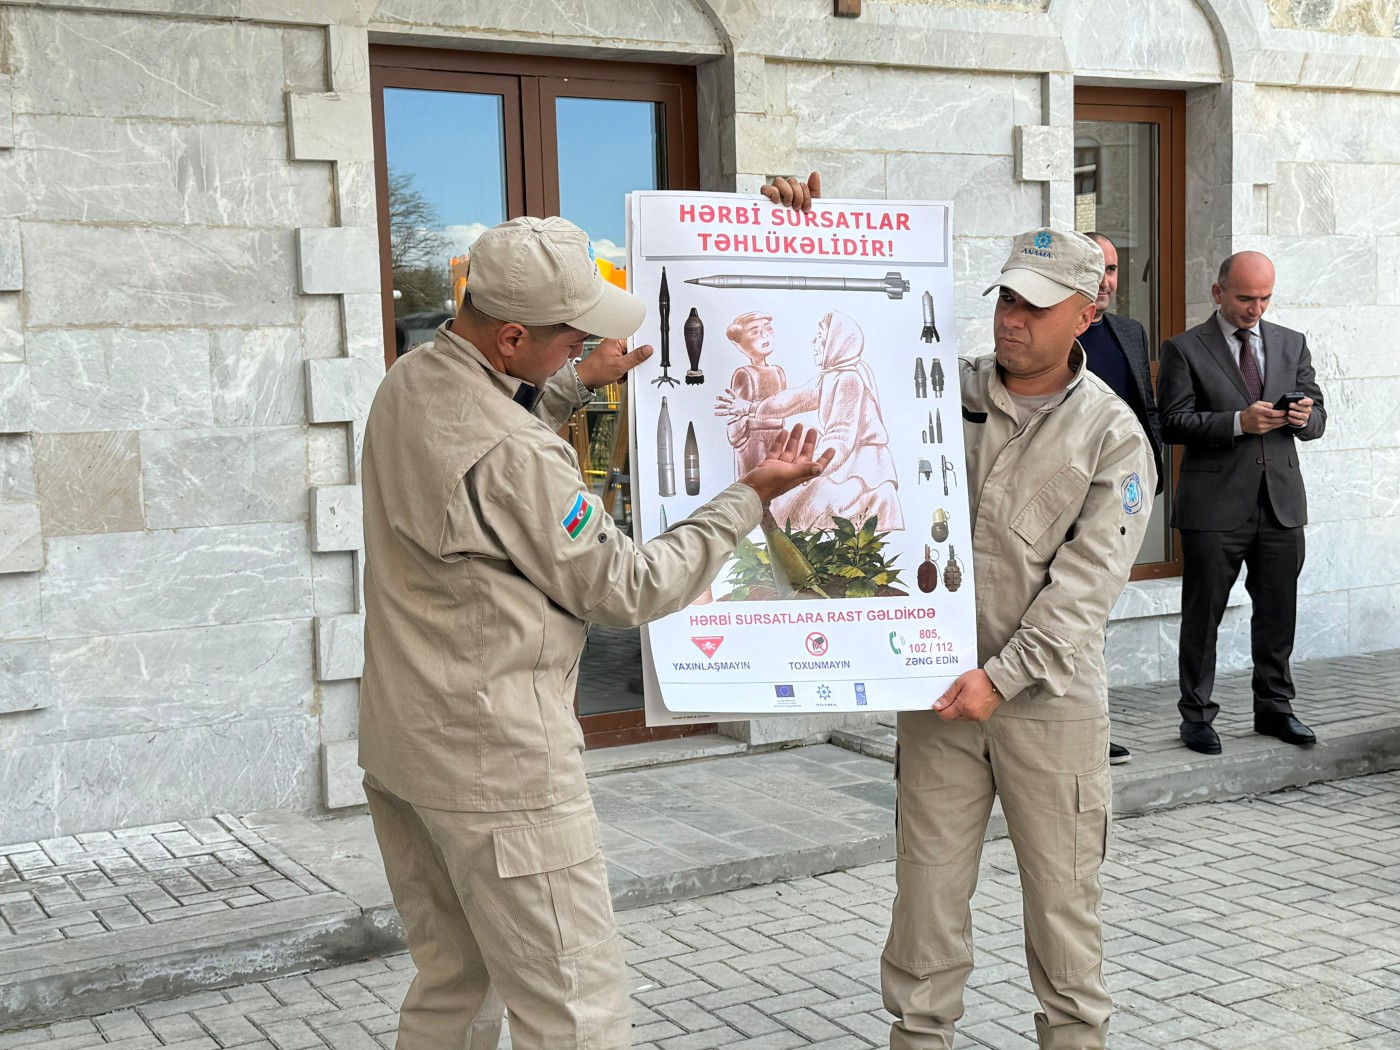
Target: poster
[{"x": 840, "y": 319}]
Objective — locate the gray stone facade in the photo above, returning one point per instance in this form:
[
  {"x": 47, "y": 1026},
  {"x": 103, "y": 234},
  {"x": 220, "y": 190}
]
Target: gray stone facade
[{"x": 190, "y": 326}]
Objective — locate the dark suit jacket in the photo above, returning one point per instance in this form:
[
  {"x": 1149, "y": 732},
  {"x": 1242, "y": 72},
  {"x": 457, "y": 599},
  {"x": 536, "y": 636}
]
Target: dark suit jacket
[
  {"x": 1200, "y": 390},
  {"x": 1132, "y": 337}
]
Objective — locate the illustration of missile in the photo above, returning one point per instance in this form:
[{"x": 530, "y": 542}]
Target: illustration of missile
[
  {"x": 665, "y": 453},
  {"x": 694, "y": 342},
  {"x": 664, "y": 524},
  {"x": 692, "y": 462},
  {"x": 920, "y": 379},
  {"x": 938, "y": 427},
  {"x": 892, "y": 284},
  {"x": 663, "y": 305},
  {"x": 930, "y": 330},
  {"x": 948, "y": 471},
  {"x": 935, "y": 376}
]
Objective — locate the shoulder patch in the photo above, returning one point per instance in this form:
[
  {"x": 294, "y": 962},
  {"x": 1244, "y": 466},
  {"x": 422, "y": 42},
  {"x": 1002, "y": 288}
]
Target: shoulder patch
[
  {"x": 1132, "y": 493},
  {"x": 580, "y": 512}
]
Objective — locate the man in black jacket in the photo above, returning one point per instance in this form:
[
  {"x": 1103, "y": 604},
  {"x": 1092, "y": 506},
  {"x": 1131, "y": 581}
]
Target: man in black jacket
[
  {"x": 1240, "y": 498},
  {"x": 1116, "y": 350}
]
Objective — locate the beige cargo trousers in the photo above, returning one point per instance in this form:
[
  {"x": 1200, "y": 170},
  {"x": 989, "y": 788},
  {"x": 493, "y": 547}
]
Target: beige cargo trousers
[{"x": 1056, "y": 791}]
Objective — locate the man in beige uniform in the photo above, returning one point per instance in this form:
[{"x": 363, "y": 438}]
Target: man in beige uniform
[
  {"x": 1061, "y": 477},
  {"x": 486, "y": 560}
]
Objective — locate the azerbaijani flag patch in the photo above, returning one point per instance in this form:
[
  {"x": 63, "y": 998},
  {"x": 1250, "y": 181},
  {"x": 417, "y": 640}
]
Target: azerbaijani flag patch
[{"x": 580, "y": 511}]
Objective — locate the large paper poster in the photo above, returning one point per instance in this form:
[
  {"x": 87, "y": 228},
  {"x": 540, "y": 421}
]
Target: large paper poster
[{"x": 856, "y": 593}]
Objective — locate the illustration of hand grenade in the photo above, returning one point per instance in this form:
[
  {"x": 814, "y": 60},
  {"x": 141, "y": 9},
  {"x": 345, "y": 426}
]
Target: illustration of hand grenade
[
  {"x": 952, "y": 572},
  {"x": 928, "y": 572},
  {"x": 939, "y": 528}
]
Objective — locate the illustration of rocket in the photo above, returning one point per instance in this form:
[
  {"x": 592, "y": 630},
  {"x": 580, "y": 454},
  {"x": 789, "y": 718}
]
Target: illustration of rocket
[
  {"x": 935, "y": 376},
  {"x": 920, "y": 378},
  {"x": 929, "y": 334},
  {"x": 663, "y": 306},
  {"x": 692, "y": 461},
  {"x": 694, "y": 331},
  {"x": 665, "y": 453},
  {"x": 892, "y": 284}
]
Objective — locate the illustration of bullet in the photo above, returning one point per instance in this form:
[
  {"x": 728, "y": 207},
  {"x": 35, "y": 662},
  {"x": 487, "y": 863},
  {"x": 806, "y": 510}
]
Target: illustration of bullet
[
  {"x": 920, "y": 379},
  {"x": 935, "y": 376},
  {"x": 933, "y": 434},
  {"x": 930, "y": 330},
  {"x": 948, "y": 471},
  {"x": 892, "y": 284},
  {"x": 692, "y": 461},
  {"x": 664, "y": 525},
  {"x": 663, "y": 304},
  {"x": 938, "y": 426},
  {"x": 665, "y": 453},
  {"x": 694, "y": 341}
]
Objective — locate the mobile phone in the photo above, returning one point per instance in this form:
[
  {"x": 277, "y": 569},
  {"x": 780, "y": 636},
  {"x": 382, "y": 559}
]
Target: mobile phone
[{"x": 1288, "y": 400}]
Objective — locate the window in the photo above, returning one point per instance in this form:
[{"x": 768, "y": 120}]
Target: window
[
  {"x": 464, "y": 141},
  {"x": 1130, "y": 184}
]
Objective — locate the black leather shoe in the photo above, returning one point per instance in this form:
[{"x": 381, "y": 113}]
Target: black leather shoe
[
  {"x": 1201, "y": 737},
  {"x": 1118, "y": 754},
  {"x": 1286, "y": 728}
]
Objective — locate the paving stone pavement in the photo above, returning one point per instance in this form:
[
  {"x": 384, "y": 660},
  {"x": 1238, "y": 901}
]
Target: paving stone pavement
[{"x": 1261, "y": 924}]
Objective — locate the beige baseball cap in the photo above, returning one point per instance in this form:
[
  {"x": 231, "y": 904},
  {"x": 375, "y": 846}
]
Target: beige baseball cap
[
  {"x": 1047, "y": 266},
  {"x": 541, "y": 272}
]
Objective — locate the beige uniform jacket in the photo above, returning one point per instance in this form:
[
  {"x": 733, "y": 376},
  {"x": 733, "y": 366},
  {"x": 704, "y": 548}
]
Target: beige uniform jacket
[
  {"x": 485, "y": 560},
  {"x": 1059, "y": 509}
]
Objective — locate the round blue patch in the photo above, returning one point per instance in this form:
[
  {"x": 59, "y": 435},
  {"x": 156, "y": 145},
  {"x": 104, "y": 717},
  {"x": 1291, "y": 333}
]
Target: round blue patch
[
  {"x": 1043, "y": 239},
  {"x": 1132, "y": 494}
]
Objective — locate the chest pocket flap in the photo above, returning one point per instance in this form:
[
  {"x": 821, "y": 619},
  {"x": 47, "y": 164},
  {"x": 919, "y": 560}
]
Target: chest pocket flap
[{"x": 1061, "y": 493}]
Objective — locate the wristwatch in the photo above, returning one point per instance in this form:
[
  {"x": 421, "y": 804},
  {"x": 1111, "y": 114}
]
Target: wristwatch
[{"x": 581, "y": 391}]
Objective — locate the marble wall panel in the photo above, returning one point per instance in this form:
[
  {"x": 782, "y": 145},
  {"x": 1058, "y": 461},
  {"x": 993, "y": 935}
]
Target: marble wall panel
[
  {"x": 340, "y": 709},
  {"x": 256, "y": 377},
  {"x": 237, "y": 767},
  {"x": 363, "y": 321},
  {"x": 1322, "y": 626},
  {"x": 117, "y": 379},
  {"x": 153, "y": 581},
  {"x": 848, "y": 173},
  {"x": 328, "y": 456},
  {"x": 11, "y": 271},
  {"x": 899, "y": 110},
  {"x": 1342, "y": 555},
  {"x": 322, "y": 328},
  {"x": 1373, "y": 619},
  {"x": 1345, "y": 341},
  {"x": 28, "y": 784},
  {"x": 340, "y": 647},
  {"x": 145, "y": 67},
  {"x": 1323, "y": 271},
  {"x": 1385, "y": 472},
  {"x": 1387, "y": 271},
  {"x": 304, "y": 58},
  {"x": 16, "y": 469},
  {"x": 161, "y": 274},
  {"x": 1368, "y": 199},
  {"x": 1339, "y": 482},
  {"x": 1133, "y": 652},
  {"x": 987, "y": 201},
  {"x": 1363, "y": 413},
  {"x": 21, "y": 612},
  {"x": 1328, "y": 126},
  {"x": 1044, "y": 153},
  {"x": 342, "y": 778},
  {"x": 976, "y": 263},
  {"x": 21, "y": 538},
  {"x": 16, "y": 400},
  {"x": 25, "y": 681},
  {"x": 97, "y": 170},
  {"x": 11, "y": 330},
  {"x": 333, "y": 582},
  {"x": 1167, "y": 39},
  {"x": 336, "y": 518},
  {"x": 338, "y": 259},
  {"x": 1303, "y": 201},
  {"x": 765, "y": 142},
  {"x": 356, "y": 202},
  {"x": 349, "y": 58},
  {"x": 7, "y": 112},
  {"x": 341, "y": 389},
  {"x": 89, "y": 483},
  {"x": 330, "y": 126},
  {"x": 161, "y": 680},
  {"x": 258, "y": 474}
]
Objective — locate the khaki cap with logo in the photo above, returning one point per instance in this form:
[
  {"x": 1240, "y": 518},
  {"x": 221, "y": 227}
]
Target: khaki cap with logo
[
  {"x": 542, "y": 272},
  {"x": 1047, "y": 266}
]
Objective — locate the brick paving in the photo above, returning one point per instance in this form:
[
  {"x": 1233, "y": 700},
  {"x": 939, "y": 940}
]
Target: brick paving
[
  {"x": 1263, "y": 924},
  {"x": 87, "y": 885}
]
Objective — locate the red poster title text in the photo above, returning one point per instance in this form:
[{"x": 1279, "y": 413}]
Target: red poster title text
[{"x": 776, "y": 242}]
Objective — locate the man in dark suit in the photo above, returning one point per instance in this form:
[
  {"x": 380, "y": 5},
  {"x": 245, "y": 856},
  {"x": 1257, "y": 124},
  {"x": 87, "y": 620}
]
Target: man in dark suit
[
  {"x": 1115, "y": 348},
  {"x": 1240, "y": 498}
]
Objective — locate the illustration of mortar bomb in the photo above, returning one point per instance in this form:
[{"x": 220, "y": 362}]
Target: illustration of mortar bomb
[
  {"x": 925, "y": 471},
  {"x": 663, "y": 304},
  {"x": 948, "y": 471},
  {"x": 691, "y": 461},
  {"x": 892, "y": 284},
  {"x": 952, "y": 572},
  {"x": 935, "y": 376},
  {"x": 939, "y": 529},
  {"x": 694, "y": 332},
  {"x": 929, "y": 334},
  {"x": 937, "y": 427},
  {"x": 665, "y": 453},
  {"x": 920, "y": 378},
  {"x": 791, "y": 570},
  {"x": 928, "y": 571}
]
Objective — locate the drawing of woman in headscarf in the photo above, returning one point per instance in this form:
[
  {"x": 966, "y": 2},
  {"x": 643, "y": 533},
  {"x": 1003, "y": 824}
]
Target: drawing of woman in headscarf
[{"x": 861, "y": 480}]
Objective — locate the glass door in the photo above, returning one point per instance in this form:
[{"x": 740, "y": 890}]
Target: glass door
[{"x": 1129, "y": 185}]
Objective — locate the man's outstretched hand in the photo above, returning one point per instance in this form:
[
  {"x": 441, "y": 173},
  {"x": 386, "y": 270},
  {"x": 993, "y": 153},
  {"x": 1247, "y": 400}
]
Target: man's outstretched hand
[
  {"x": 790, "y": 462},
  {"x": 793, "y": 192},
  {"x": 609, "y": 362}
]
